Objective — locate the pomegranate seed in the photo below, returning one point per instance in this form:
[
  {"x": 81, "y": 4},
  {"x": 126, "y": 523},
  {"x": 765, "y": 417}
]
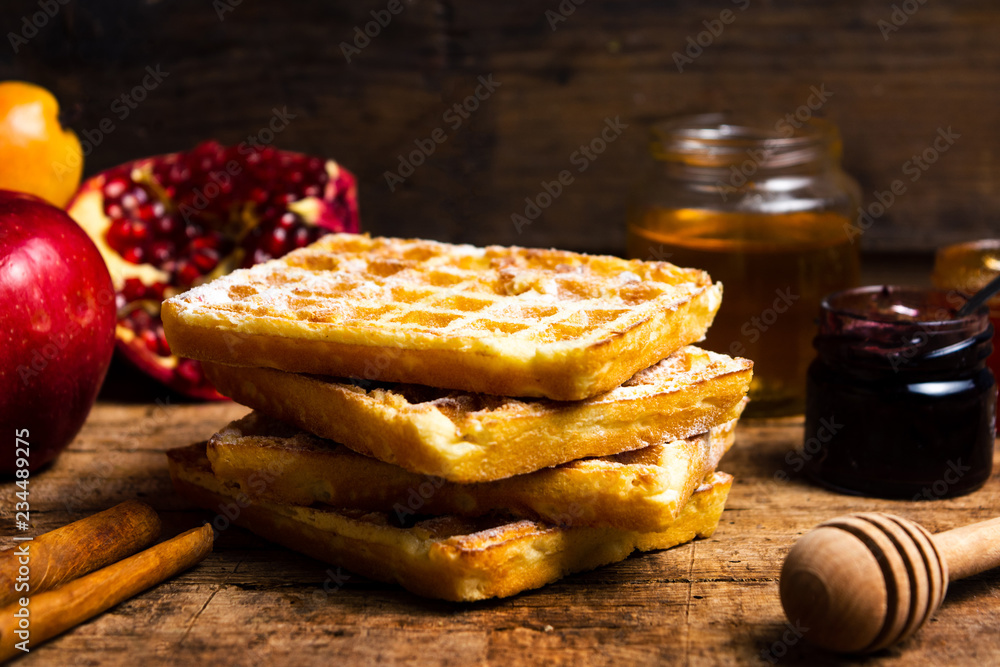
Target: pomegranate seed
[
  {"x": 149, "y": 338},
  {"x": 258, "y": 195},
  {"x": 178, "y": 173},
  {"x": 276, "y": 244},
  {"x": 133, "y": 289},
  {"x": 150, "y": 211},
  {"x": 135, "y": 255},
  {"x": 129, "y": 201},
  {"x": 187, "y": 273},
  {"x": 162, "y": 252},
  {"x": 162, "y": 345},
  {"x": 116, "y": 233},
  {"x": 114, "y": 188},
  {"x": 165, "y": 226},
  {"x": 140, "y": 318},
  {"x": 137, "y": 230},
  {"x": 302, "y": 237},
  {"x": 205, "y": 259}
]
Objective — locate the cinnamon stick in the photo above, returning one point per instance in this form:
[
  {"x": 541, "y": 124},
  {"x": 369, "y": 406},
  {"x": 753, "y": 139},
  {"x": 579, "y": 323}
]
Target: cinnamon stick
[
  {"x": 76, "y": 549},
  {"x": 58, "y": 610}
]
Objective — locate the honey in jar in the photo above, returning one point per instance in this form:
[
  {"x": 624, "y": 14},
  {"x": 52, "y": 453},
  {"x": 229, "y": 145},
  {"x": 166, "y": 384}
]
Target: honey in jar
[{"x": 767, "y": 214}]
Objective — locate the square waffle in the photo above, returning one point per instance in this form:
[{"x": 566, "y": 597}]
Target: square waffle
[
  {"x": 465, "y": 437},
  {"x": 642, "y": 490},
  {"x": 499, "y": 320},
  {"x": 443, "y": 557}
]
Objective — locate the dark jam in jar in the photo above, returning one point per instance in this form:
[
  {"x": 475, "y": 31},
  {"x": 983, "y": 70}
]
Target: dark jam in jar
[{"x": 899, "y": 401}]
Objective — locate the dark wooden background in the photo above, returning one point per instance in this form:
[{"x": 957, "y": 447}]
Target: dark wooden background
[{"x": 608, "y": 59}]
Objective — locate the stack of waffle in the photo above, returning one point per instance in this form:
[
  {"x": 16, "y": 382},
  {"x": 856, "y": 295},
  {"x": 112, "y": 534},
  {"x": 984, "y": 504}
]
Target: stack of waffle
[{"x": 467, "y": 422}]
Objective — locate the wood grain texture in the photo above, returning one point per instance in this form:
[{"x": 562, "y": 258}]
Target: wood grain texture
[
  {"x": 710, "y": 602},
  {"x": 609, "y": 58}
]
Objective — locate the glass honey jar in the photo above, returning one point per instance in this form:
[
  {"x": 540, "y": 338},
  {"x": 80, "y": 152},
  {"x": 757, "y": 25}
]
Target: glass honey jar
[{"x": 767, "y": 211}]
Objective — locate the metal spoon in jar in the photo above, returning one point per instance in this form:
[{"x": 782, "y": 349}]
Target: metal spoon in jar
[{"x": 980, "y": 297}]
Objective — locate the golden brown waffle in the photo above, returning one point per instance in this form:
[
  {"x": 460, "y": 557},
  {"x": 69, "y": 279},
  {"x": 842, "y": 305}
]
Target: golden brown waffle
[
  {"x": 642, "y": 490},
  {"x": 478, "y": 438},
  {"x": 442, "y": 557},
  {"x": 497, "y": 320}
]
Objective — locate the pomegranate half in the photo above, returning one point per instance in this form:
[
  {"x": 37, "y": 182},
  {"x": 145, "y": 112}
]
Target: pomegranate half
[{"x": 170, "y": 222}]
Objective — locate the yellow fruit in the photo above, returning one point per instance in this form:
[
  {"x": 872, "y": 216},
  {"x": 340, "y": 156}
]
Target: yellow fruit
[{"x": 36, "y": 154}]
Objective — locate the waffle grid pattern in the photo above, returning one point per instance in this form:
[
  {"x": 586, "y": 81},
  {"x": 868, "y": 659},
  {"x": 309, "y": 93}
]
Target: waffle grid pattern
[{"x": 541, "y": 296}]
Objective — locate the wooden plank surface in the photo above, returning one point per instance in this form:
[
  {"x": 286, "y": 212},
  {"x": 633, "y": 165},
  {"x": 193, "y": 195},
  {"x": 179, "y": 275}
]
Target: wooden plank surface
[{"x": 713, "y": 601}]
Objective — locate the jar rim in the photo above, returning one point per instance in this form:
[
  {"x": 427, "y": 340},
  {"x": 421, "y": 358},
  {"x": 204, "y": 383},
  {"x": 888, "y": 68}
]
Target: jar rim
[
  {"x": 840, "y": 305},
  {"x": 720, "y": 139}
]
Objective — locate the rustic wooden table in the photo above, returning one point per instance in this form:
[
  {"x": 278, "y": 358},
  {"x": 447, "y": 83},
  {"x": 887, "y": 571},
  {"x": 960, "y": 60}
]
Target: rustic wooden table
[{"x": 711, "y": 602}]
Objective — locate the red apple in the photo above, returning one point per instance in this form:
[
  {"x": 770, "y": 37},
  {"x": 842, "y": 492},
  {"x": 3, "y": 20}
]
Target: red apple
[{"x": 57, "y": 328}]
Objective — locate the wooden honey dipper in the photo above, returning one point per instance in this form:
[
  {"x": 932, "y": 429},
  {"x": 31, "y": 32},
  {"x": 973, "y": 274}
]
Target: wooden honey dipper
[{"x": 863, "y": 582}]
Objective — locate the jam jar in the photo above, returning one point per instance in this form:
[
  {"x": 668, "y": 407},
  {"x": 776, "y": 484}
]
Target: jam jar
[
  {"x": 900, "y": 403},
  {"x": 766, "y": 209}
]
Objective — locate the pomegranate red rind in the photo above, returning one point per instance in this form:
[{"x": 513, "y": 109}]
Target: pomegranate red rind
[{"x": 167, "y": 223}]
